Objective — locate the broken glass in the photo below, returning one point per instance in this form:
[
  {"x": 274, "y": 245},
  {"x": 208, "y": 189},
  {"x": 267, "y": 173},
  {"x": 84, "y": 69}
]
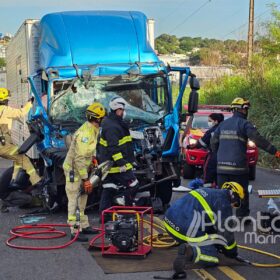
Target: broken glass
[{"x": 146, "y": 97}]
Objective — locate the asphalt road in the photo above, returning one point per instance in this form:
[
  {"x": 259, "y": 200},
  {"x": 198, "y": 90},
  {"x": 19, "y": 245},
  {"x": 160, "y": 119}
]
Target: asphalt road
[{"x": 75, "y": 262}]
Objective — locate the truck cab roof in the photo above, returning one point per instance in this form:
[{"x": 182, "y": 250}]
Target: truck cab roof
[{"x": 94, "y": 38}]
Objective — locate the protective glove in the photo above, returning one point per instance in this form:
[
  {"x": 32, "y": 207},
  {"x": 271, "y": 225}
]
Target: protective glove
[
  {"x": 196, "y": 183},
  {"x": 230, "y": 253},
  {"x": 87, "y": 186},
  {"x": 122, "y": 169},
  {"x": 277, "y": 154}
]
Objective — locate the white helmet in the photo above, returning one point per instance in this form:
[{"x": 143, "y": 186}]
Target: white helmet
[{"x": 117, "y": 103}]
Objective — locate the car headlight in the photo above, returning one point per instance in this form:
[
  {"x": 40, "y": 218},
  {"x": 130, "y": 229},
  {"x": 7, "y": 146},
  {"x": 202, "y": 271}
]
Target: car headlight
[
  {"x": 251, "y": 144},
  {"x": 192, "y": 141}
]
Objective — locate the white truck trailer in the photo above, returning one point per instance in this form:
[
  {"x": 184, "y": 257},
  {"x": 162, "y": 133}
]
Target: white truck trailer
[{"x": 22, "y": 58}]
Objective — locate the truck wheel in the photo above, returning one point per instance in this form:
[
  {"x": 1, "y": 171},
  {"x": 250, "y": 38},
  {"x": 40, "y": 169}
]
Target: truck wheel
[
  {"x": 164, "y": 191},
  {"x": 252, "y": 172},
  {"x": 5, "y": 180},
  {"x": 188, "y": 171}
]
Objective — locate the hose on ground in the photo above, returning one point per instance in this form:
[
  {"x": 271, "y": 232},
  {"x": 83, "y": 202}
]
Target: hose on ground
[
  {"x": 45, "y": 231},
  {"x": 159, "y": 240}
]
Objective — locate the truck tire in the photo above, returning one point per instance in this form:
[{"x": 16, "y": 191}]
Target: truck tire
[
  {"x": 252, "y": 172},
  {"x": 188, "y": 171},
  {"x": 5, "y": 180},
  {"x": 164, "y": 191}
]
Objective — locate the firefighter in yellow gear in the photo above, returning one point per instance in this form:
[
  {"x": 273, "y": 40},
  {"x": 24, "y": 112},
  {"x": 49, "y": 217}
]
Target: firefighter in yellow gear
[
  {"x": 76, "y": 168},
  {"x": 7, "y": 149}
]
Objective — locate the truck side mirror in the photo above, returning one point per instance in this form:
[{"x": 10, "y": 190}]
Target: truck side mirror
[
  {"x": 193, "y": 102},
  {"x": 194, "y": 83},
  {"x": 193, "y": 98}
]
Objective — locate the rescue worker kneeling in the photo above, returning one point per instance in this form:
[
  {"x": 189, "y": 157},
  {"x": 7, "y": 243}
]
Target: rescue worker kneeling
[
  {"x": 7, "y": 149},
  {"x": 197, "y": 221},
  {"x": 76, "y": 167}
]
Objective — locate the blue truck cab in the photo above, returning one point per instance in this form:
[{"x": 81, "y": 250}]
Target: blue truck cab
[{"x": 93, "y": 56}]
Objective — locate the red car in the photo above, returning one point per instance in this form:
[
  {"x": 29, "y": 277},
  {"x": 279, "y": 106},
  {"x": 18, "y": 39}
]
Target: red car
[{"x": 194, "y": 158}]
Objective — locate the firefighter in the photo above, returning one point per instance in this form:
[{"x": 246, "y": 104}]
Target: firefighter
[
  {"x": 116, "y": 145},
  {"x": 76, "y": 167},
  {"x": 210, "y": 165},
  {"x": 230, "y": 143},
  {"x": 7, "y": 149},
  {"x": 198, "y": 222}
]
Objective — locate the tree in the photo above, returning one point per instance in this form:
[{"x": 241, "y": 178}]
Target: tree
[
  {"x": 186, "y": 44},
  {"x": 2, "y": 62},
  {"x": 270, "y": 43},
  {"x": 167, "y": 44}
]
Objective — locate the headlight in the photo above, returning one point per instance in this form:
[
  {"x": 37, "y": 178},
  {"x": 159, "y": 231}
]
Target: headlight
[
  {"x": 251, "y": 144},
  {"x": 192, "y": 141}
]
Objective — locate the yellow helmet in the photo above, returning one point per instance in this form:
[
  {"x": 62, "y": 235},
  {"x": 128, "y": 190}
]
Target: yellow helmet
[
  {"x": 4, "y": 94},
  {"x": 235, "y": 187},
  {"x": 95, "y": 111},
  {"x": 240, "y": 103}
]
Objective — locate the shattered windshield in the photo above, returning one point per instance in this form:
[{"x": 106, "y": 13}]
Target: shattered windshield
[{"x": 147, "y": 98}]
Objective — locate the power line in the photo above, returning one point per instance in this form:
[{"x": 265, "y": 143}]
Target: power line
[
  {"x": 173, "y": 11},
  {"x": 245, "y": 24},
  {"x": 189, "y": 16}
]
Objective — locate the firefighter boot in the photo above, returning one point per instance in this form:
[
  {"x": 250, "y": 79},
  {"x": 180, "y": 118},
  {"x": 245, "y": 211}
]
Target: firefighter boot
[
  {"x": 89, "y": 230},
  {"x": 185, "y": 254},
  {"x": 81, "y": 237}
]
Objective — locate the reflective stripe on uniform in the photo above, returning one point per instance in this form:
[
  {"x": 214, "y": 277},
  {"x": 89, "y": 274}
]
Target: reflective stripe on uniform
[
  {"x": 76, "y": 179},
  {"x": 192, "y": 240},
  {"x": 117, "y": 169},
  {"x": 222, "y": 167},
  {"x": 206, "y": 258},
  {"x": 83, "y": 172},
  {"x": 30, "y": 171},
  {"x": 184, "y": 237},
  {"x": 71, "y": 218},
  {"x": 67, "y": 166},
  {"x": 117, "y": 156},
  {"x": 232, "y": 137},
  {"x": 16, "y": 166},
  {"x": 122, "y": 141},
  {"x": 198, "y": 253},
  {"x": 103, "y": 142},
  {"x": 125, "y": 140},
  {"x": 203, "y": 257},
  {"x": 231, "y": 246},
  {"x": 14, "y": 151},
  {"x": 205, "y": 205}
]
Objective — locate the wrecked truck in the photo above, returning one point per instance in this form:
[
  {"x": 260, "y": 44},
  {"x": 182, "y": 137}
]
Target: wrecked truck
[{"x": 67, "y": 61}]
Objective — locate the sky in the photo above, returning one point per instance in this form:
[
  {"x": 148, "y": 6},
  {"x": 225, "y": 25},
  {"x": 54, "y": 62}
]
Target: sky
[{"x": 220, "y": 19}]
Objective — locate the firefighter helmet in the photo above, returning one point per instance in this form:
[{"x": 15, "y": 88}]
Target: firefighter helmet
[
  {"x": 240, "y": 103},
  {"x": 95, "y": 111},
  {"x": 4, "y": 94},
  {"x": 117, "y": 103},
  {"x": 235, "y": 188}
]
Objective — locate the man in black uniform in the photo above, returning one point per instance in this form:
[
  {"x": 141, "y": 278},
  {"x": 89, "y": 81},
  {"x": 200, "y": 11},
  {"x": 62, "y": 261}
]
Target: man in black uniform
[
  {"x": 230, "y": 142},
  {"x": 116, "y": 144}
]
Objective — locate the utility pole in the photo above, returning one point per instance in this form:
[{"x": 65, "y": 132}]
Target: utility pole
[{"x": 250, "y": 43}]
